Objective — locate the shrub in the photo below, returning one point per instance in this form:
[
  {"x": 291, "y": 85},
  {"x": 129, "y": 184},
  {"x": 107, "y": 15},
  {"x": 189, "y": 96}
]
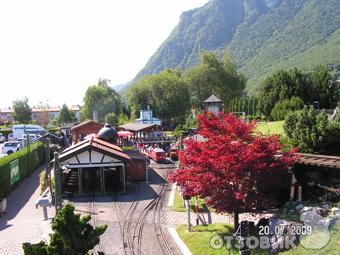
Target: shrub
[
  {"x": 310, "y": 130},
  {"x": 30, "y": 158},
  {"x": 71, "y": 235}
]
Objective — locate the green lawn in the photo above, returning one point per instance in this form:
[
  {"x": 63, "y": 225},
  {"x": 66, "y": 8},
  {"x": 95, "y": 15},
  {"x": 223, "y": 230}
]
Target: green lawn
[
  {"x": 198, "y": 241},
  {"x": 179, "y": 205},
  {"x": 268, "y": 128},
  {"x": 332, "y": 248}
]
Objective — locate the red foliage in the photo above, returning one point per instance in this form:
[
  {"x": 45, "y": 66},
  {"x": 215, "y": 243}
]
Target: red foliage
[{"x": 235, "y": 167}]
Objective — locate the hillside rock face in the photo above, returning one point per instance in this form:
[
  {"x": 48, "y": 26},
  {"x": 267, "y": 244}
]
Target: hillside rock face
[{"x": 260, "y": 35}]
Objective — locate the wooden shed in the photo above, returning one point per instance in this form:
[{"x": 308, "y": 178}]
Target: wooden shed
[
  {"x": 137, "y": 169},
  {"x": 85, "y": 128}
]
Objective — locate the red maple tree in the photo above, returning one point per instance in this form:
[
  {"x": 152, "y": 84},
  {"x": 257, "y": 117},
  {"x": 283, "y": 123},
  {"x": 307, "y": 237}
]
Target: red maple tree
[{"x": 235, "y": 167}]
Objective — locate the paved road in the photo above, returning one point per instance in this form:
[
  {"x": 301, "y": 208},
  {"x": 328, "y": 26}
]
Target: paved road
[{"x": 22, "y": 221}]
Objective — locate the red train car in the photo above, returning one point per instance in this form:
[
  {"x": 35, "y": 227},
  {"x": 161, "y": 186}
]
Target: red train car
[{"x": 157, "y": 154}]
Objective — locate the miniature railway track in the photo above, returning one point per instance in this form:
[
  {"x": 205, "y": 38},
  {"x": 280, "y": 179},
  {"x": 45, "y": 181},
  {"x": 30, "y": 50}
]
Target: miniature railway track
[
  {"x": 93, "y": 212},
  {"x": 132, "y": 227},
  {"x": 162, "y": 239},
  {"x": 125, "y": 223}
]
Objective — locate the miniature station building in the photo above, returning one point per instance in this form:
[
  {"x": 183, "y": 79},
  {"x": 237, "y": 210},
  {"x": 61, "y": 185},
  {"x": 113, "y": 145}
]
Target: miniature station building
[
  {"x": 213, "y": 104},
  {"x": 146, "y": 117},
  {"x": 85, "y": 128},
  {"x": 98, "y": 166}
]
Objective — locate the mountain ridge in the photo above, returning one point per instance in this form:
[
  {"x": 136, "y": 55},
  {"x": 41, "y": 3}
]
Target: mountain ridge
[{"x": 261, "y": 36}]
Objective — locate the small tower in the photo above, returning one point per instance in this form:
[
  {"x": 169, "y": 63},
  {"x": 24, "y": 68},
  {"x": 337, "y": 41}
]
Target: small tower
[{"x": 213, "y": 104}]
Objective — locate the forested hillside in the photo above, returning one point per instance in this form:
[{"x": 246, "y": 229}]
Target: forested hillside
[{"x": 261, "y": 36}]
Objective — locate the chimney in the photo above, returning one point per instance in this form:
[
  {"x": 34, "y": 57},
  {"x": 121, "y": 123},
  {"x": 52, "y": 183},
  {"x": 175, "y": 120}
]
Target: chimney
[{"x": 95, "y": 115}]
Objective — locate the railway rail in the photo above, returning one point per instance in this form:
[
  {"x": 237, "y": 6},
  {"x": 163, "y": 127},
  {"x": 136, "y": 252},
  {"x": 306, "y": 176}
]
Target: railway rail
[
  {"x": 98, "y": 249},
  {"x": 132, "y": 225},
  {"x": 162, "y": 239}
]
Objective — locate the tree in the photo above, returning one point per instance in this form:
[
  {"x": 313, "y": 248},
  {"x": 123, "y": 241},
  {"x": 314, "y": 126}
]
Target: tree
[
  {"x": 111, "y": 118},
  {"x": 102, "y": 99},
  {"x": 234, "y": 169},
  {"x": 65, "y": 115},
  {"x": 22, "y": 112},
  {"x": 324, "y": 90},
  {"x": 166, "y": 93},
  {"x": 72, "y": 235},
  {"x": 213, "y": 76},
  {"x": 282, "y": 108},
  {"x": 282, "y": 85}
]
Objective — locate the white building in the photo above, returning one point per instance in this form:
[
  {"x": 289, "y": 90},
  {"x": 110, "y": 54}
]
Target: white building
[{"x": 146, "y": 117}]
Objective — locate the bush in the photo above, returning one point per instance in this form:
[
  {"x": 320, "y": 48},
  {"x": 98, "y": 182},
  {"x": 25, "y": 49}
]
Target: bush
[
  {"x": 128, "y": 148},
  {"x": 35, "y": 249},
  {"x": 282, "y": 108},
  {"x": 42, "y": 181},
  {"x": 71, "y": 235},
  {"x": 311, "y": 131},
  {"x": 29, "y": 160}
]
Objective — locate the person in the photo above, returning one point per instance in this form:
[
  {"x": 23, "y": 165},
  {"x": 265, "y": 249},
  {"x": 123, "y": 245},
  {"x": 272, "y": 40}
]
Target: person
[{"x": 244, "y": 118}]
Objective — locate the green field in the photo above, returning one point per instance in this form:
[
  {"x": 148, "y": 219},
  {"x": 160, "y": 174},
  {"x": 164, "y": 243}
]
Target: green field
[
  {"x": 198, "y": 241},
  {"x": 269, "y": 128}
]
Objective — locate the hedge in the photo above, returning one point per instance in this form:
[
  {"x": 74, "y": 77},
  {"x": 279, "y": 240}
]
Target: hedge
[
  {"x": 5, "y": 132},
  {"x": 29, "y": 160}
]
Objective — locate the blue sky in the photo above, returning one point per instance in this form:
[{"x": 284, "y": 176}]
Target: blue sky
[{"x": 50, "y": 51}]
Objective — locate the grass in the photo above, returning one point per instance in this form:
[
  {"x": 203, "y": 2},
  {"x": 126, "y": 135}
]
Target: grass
[
  {"x": 332, "y": 248},
  {"x": 198, "y": 241},
  {"x": 269, "y": 128},
  {"x": 178, "y": 205}
]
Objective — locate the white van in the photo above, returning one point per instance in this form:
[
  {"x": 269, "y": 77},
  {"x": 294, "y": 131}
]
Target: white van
[{"x": 20, "y": 130}]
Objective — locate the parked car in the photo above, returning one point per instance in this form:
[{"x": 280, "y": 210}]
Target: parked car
[
  {"x": 33, "y": 137},
  {"x": 10, "y": 147},
  {"x": 2, "y": 138},
  {"x": 20, "y": 130}
]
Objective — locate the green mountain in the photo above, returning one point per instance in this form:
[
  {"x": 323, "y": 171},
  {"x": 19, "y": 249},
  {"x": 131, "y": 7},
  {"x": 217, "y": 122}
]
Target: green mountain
[{"x": 260, "y": 35}]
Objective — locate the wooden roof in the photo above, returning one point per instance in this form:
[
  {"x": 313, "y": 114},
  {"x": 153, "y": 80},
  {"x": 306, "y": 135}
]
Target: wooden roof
[
  {"x": 137, "y": 127},
  {"x": 136, "y": 155},
  {"x": 213, "y": 99},
  {"x": 87, "y": 122},
  {"x": 97, "y": 145},
  {"x": 319, "y": 160}
]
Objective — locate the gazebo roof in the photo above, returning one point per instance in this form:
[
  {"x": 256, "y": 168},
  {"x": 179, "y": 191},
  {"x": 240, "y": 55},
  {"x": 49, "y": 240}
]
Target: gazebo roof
[{"x": 213, "y": 99}]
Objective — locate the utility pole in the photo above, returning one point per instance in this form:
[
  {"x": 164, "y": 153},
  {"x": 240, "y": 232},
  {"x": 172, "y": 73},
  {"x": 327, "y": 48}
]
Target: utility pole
[
  {"x": 187, "y": 205},
  {"x": 57, "y": 192},
  {"x": 48, "y": 172}
]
